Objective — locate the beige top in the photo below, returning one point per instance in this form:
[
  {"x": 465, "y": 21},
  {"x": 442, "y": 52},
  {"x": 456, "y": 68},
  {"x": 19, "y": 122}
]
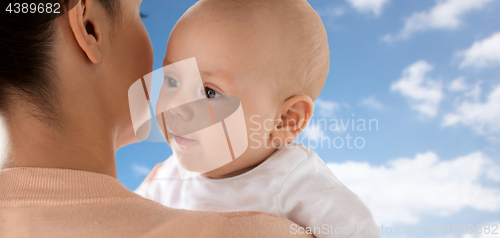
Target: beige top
[{"x": 46, "y": 202}]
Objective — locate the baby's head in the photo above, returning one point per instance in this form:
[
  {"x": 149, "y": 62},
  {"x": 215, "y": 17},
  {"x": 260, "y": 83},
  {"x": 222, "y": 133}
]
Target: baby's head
[{"x": 271, "y": 54}]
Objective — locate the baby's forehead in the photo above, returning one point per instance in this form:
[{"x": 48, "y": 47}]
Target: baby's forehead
[
  {"x": 247, "y": 16},
  {"x": 229, "y": 48},
  {"x": 276, "y": 37},
  {"x": 251, "y": 41}
]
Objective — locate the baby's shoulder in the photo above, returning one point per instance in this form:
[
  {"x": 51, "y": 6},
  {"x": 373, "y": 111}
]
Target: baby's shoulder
[{"x": 303, "y": 165}]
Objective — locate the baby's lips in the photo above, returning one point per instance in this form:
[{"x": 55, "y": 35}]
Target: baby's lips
[{"x": 172, "y": 135}]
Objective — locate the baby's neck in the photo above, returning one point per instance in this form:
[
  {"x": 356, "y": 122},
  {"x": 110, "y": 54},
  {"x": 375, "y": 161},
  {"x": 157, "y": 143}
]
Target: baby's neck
[
  {"x": 229, "y": 175},
  {"x": 234, "y": 168}
]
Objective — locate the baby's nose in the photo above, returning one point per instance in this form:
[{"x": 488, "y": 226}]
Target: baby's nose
[
  {"x": 183, "y": 112},
  {"x": 190, "y": 117}
]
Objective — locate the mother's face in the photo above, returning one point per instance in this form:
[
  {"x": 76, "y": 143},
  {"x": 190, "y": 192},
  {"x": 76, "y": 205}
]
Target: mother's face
[
  {"x": 126, "y": 57},
  {"x": 130, "y": 51},
  {"x": 132, "y": 58}
]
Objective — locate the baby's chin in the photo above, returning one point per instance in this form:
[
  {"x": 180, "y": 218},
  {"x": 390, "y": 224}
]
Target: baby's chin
[
  {"x": 196, "y": 159},
  {"x": 190, "y": 161}
]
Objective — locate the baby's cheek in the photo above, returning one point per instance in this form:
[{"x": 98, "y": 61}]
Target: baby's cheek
[
  {"x": 258, "y": 118},
  {"x": 258, "y": 130}
]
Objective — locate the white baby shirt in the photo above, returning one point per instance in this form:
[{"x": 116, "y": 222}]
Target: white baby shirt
[{"x": 293, "y": 183}]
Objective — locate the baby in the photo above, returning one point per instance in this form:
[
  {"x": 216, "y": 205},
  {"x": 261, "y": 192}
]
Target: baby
[{"x": 273, "y": 56}]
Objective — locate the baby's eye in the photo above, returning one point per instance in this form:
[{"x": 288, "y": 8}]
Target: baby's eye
[
  {"x": 172, "y": 82},
  {"x": 211, "y": 94}
]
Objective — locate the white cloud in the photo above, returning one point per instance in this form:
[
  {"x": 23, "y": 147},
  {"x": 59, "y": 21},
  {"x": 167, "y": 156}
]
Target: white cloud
[
  {"x": 458, "y": 85},
  {"x": 446, "y": 14},
  {"x": 483, "y": 117},
  {"x": 406, "y": 189},
  {"x": 481, "y": 54},
  {"x": 140, "y": 170},
  {"x": 371, "y": 102},
  {"x": 423, "y": 93},
  {"x": 325, "y": 108},
  {"x": 373, "y": 6},
  {"x": 475, "y": 93}
]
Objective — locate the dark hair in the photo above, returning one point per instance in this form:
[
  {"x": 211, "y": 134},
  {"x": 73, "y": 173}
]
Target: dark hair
[{"x": 26, "y": 60}]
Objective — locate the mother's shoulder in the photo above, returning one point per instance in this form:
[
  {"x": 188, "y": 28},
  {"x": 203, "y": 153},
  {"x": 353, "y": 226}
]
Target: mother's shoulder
[{"x": 222, "y": 224}]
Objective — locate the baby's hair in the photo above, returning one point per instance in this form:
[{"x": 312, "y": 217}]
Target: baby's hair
[{"x": 303, "y": 50}]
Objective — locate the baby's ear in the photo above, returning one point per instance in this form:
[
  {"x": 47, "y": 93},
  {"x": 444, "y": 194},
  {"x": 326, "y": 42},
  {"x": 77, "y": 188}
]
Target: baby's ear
[{"x": 295, "y": 114}]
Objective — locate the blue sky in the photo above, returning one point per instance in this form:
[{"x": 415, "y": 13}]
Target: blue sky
[{"x": 428, "y": 72}]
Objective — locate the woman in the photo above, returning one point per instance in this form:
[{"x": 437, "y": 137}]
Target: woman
[{"x": 63, "y": 101}]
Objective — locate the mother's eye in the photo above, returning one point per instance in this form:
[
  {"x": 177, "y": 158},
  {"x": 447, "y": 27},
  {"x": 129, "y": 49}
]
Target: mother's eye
[
  {"x": 172, "y": 82},
  {"x": 211, "y": 94}
]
